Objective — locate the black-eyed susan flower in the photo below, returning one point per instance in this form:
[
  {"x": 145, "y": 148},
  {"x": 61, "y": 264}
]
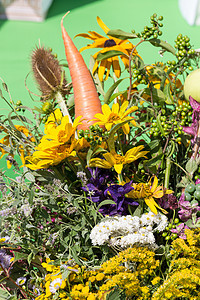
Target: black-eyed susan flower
[
  {"x": 112, "y": 159},
  {"x": 116, "y": 115},
  {"x": 108, "y": 43}
]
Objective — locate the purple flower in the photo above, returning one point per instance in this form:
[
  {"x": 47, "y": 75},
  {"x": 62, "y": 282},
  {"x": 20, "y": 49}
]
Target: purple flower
[
  {"x": 187, "y": 209},
  {"x": 102, "y": 187},
  {"x": 118, "y": 194},
  {"x": 192, "y": 130},
  {"x": 168, "y": 201},
  {"x": 98, "y": 184},
  {"x": 180, "y": 230}
]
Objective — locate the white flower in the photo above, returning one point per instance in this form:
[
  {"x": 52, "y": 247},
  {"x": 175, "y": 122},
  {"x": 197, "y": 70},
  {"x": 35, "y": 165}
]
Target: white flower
[
  {"x": 21, "y": 280},
  {"x": 55, "y": 285}
]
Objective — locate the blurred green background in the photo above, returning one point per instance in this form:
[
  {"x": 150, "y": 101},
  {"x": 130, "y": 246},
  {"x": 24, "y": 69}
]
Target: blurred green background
[{"x": 19, "y": 38}]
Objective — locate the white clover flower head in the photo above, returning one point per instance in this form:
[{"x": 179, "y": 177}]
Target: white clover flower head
[{"x": 55, "y": 285}]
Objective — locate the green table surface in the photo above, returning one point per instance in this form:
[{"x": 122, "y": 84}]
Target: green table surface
[{"x": 19, "y": 38}]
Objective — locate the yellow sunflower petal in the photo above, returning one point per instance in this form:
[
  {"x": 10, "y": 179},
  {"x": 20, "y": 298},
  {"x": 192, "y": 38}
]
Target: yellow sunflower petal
[
  {"x": 110, "y": 158},
  {"x": 115, "y": 108},
  {"x": 126, "y": 128},
  {"x": 116, "y": 66},
  {"x": 150, "y": 202},
  {"x": 118, "y": 168},
  {"x": 100, "y": 163},
  {"x": 155, "y": 184},
  {"x": 106, "y": 110},
  {"x": 102, "y": 25},
  {"x": 101, "y": 69}
]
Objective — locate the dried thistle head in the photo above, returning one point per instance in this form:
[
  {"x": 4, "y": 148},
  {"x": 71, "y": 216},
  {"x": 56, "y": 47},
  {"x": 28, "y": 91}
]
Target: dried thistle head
[{"x": 47, "y": 72}]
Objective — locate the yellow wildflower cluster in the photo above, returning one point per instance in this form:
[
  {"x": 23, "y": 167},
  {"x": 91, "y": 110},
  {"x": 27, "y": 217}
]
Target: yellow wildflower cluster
[
  {"x": 184, "y": 278},
  {"x": 127, "y": 271}
]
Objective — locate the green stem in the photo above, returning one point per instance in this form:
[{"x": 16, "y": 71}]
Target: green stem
[{"x": 167, "y": 172}]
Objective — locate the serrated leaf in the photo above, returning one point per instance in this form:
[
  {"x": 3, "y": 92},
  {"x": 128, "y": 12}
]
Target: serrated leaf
[
  {"x": 106, "y": 202},
  {"x": 111, "y": 90},
  {"x": 169, "y": 99},
  {"x": 122, "y": 35},
  {"x": 108, "y": 54},
  {"x": 164, "y": 45}
]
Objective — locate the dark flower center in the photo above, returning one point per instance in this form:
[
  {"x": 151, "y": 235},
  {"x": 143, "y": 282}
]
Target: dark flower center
[{"x": 109, "y": 43}]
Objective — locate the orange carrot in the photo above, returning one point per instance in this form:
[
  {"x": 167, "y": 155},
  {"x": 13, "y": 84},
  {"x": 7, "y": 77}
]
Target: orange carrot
[{"x": 86, "y": 99}]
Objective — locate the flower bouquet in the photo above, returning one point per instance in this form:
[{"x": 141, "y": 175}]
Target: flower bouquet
[{"x": 104, "y": 200}]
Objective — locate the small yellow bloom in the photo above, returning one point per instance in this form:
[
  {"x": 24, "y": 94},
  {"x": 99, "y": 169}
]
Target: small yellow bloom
[
  {"x": 116, "y": 160},
  {"x": 100, "y": 276},
  {"x": 116, "y": 115}
]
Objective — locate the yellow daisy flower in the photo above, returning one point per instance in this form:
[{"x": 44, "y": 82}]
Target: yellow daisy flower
[
  {"x": 149, "y": 191},
  {"x": 58, "y": 144},
  {"x": 116, "y": 115},
  {"x": 108, "y": 44},
  {"x": 116, "y": 160}
]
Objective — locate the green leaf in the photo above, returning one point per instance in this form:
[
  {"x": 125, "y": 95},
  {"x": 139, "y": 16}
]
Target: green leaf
[
  {"x": 19, "y": 256},
  {"x": 138, "y": 62},
  {"x": 157, "y": 95},
  {"x": 4, "y": 294},
  {"x": 191, "y": 166},
  {"x": 111, "y": 90},
  {"x": 111, "y": 140},
  {"x": 122, "y": 35},
  {"x": 169, "y": 99},
  {"x": 106, "y": 202},
  {"x": 164, "y": 45},
  {"x": 160, "y": 125},
  {"x": 115, "y": 95},
  {"x": 116, "y": 294},
  {"x": 154, "y": 144},
  {"x": 153, "y": 161},
  {"x": 31, "y": 196},
  {"x": 108, "y": 54},
  {"x": 30, "y": 258}
]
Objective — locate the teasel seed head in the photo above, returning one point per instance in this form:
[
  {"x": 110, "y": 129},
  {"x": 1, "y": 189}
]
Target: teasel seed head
[{"x": 48, "y": 73}]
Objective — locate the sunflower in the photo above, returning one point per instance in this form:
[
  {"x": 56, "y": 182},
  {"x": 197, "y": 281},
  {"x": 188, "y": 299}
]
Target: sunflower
[
  {"x": 112, "y": 159},
  {"x": 108, "y": 44},
  {"x": 116, "y": 115}
]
